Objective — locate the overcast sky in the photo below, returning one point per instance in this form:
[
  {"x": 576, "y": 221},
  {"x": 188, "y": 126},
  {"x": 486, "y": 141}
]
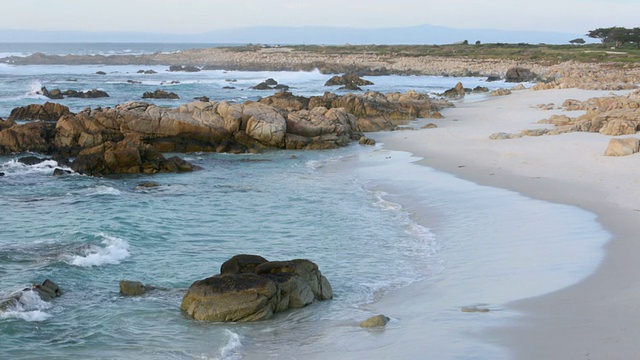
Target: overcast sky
[{"x": 197, "y": 16}]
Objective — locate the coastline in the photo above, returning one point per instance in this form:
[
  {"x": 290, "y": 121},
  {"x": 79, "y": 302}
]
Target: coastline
[{"x": 594, "y": 318}]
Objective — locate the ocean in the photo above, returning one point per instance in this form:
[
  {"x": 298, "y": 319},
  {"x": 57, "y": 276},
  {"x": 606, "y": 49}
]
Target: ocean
[{"x": 374, "y": 221}]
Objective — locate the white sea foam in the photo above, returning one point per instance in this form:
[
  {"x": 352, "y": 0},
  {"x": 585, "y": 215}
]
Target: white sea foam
[
  {"x": 230, "y": 350},
  {"x": 104, "y": 190},
  {"x": 15, "y": 168},
  {"x": 114, "y": 251},
  {"x": 29, "y": 307}
]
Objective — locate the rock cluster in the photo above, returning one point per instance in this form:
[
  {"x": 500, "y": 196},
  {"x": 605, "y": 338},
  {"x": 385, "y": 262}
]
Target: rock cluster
[
  {"x": 609, "y": 115},
  {"x": 160, "y": 94},
  {"x": 250, "y": 288},
  {"x": 269, "y": 84},
  {"x": 57, "y": 94},
  {"x": 348, "y": 82},
  {"x": 185, "y": 68},
  {"x": 131, "y": 137},
  {"x": 46, "y": 112}
]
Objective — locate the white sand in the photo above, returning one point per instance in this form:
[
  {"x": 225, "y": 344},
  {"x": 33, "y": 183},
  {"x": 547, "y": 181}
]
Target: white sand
[{"x": 597, "y": 318}]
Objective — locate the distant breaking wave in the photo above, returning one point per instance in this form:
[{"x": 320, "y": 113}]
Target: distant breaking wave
[{"x": 114, "y": 251}]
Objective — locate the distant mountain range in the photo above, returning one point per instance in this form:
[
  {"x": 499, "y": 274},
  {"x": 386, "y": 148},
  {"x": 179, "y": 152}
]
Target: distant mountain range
[{"x": 423, "y": 34}]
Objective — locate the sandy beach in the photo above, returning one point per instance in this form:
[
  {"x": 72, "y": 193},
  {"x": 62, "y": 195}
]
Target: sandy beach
[{"x": 596, "y": 318}]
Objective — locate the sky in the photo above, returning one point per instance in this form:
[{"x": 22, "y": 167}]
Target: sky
[{"x": 199, "y": 16}]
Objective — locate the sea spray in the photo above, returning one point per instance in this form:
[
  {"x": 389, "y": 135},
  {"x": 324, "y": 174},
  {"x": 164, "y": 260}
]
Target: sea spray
[
  {"x": 114, "y": 251},
  {"x": 28, "y": 307}
]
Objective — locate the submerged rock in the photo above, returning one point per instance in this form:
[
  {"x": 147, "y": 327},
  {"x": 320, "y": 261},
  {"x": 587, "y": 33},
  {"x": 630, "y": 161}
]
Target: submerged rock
[
  {"x": 132, "y": 288},
  {"x": 250, "y": 288},
  {"x": 375, "y": 321}
]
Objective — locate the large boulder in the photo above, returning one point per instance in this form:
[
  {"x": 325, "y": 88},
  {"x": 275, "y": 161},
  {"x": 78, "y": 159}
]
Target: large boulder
[
  {"x": 622, "y": 147},
  {"x": 46, "y": 112},
  {"x": 519, "y": 74},
  {"x": 251, "y": 289}
]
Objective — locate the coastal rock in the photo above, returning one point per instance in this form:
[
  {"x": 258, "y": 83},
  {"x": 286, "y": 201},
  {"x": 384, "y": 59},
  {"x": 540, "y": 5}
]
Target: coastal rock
[
  {"x": 47, "y": 291},
  {"x": 31, "y": 160},
  {"x": 326, "y": 128},
  {"x": 242, "y": 264},
  {"x": 60, "y": 172},
  {"x": 500, "y": 92},
  {"x": 617, "y": 127},
  {"x": 133, "y": 288},
  {"x": 34, "y": 136},
  {"x": 54, "y": 94},
  {"x": 519, "y": 74},
  {"x": 457, "y": 92},
  {"x": 101, "y": 73},
  {"x": 187, "y": 68},
  {"x": 46, "y": 112},
  {"x": 349, "y": 81},
  {"x": 251, "y": 289},
  {"x": 366, "y": 141},
  {"x": 160, "y": 94},
  {"x": 90, "y": 94},
  {"x": 622, "y": 147},
  {"x": 129, "y": 156},
  {"x": 285, "y": 100},
  {"x": 375, "y": 321}
]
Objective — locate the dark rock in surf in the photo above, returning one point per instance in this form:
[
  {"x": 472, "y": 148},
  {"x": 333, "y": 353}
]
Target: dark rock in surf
[
  {"x": 201, "y": 98},
  {"x": 61, "y": 172},
  {"x": 133, "y": 288},
  {"x": 348, "y": 80},
  {"x": 101, "y": 73},
  {"x": 31, "y": 160},
  {"x": 251, "y": 289},
  {"x": 187, "y": 68},
  {"x": 160, "y": 94}
]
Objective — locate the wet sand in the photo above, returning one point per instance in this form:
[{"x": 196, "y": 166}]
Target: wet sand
[{"x": 594, "y": 319}]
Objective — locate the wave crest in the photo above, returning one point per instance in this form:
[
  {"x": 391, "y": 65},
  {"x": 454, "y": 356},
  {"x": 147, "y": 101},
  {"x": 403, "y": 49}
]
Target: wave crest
[{"x": 114, "y": 251}]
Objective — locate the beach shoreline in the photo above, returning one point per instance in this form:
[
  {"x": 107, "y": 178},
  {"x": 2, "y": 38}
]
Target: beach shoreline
[{"x": 594, "y": 318}]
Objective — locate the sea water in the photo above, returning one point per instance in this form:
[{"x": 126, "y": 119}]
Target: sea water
[{"x": 371, "y": 219}]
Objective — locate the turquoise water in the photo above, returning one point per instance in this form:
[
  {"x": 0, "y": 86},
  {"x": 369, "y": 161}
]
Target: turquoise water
[{"x": 372, "y": 220}]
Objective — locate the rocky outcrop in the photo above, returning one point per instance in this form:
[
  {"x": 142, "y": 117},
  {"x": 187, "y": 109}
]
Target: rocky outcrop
[
  {"x": 270, "y": 84},
  {"x": 33, "y": 136},
  {"x": 519, "y": 74},
  {"x": 57, "y": 94},
  {"x": 622, "y": 147},
  {"x": 160, "y": 94},
  {"x": 47, "y": 112},
  {"x": 129, "y": 137},
  {"x": 457, "y": 92},
  {"x": 185, "y": 68},
  {"x": 129, "y": 156},
  {"x": 249, "y": 288},
  {"x": 348, "y": 81},
  {"x": 134, "y": 288}
]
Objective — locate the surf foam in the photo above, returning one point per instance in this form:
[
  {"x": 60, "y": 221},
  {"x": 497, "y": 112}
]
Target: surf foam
[{"x": 114, "y": 251}]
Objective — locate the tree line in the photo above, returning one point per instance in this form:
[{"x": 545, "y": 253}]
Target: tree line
[{"x": 616, "y": 36}]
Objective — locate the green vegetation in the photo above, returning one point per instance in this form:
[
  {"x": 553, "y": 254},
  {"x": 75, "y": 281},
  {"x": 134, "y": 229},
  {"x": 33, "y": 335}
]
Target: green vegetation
[
  {"x": 541, "y": 53},
  {"x": 616, "y": 36}
]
